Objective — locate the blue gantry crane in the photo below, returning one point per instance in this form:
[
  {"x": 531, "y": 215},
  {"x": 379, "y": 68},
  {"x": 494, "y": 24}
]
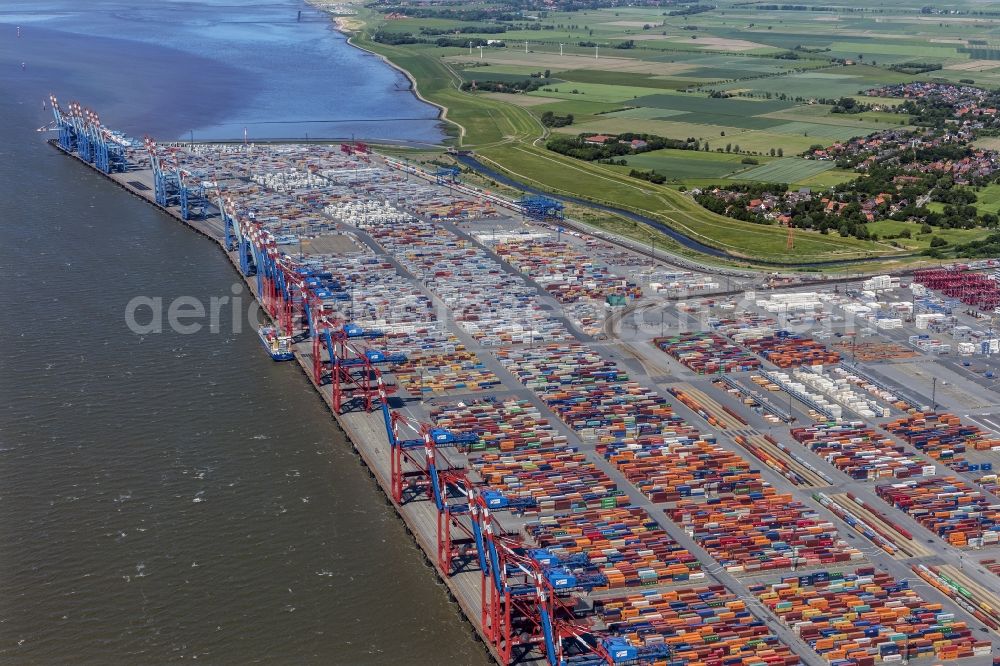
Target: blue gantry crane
[
  {"x": 67, "y": 132},
  {"x": 540, "y": 208},
  {"x": 445, "y": 175},
  {"x": 165, "y": 186},
  {"x": 191, "y": 193}
]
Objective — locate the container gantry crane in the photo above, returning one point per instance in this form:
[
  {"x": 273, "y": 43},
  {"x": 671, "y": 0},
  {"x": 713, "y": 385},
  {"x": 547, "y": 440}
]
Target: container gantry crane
[
  {"x": 192, "y": 198},
  {"x": 83, "y": 144},
  {"x": 80, "y": 130},
  {"x": 353, "y": 367},
  {"x": 165, "y": 186},
  {"x": 67, "y": 132}
]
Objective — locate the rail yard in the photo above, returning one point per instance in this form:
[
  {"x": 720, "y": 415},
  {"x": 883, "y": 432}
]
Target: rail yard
[{"x": 607, "y": 458}]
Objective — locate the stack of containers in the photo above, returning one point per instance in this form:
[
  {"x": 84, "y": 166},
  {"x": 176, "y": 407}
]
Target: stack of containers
[
  {"x": 667, "y": 471},
  {"x": 591, "y": 395},
  {"x": 559, "y": 480},
  {"x": 626, "y": 545},
  {"x": 762, "y": 531},
  {"x": 948, "y": 507},
  {"x": 942, "y": 436},
  {"x": 876, "y": 391},
  {"x": 838, "y": 391},
  {"x": 565, "y": 273},
  {"x": 860, "y": 452},
  {"x": 701, "y": 625},
  {"x": 786, "y": 350},
  {"x": 458, "y": 370},
  {"x": 873, "y": 351},
  {"x": 707, "y": 353},
  {"x": 496, "y": 308},
  {"x": 858, "y": 618},
  {"x": 505, "y": 426},
  {"x": 970, "y": 287},
  {"x": 520, "y": 455}
]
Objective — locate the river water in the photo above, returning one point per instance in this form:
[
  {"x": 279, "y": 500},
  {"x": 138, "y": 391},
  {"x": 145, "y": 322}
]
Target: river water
[{"x": 173, "y": 497}]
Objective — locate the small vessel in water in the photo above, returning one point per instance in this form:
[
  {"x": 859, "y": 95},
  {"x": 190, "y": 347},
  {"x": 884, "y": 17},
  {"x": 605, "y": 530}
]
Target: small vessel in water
[{"x": 278, "y": 346}]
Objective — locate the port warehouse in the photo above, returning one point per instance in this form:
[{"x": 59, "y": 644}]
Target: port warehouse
[{"x": 577, "y": 515}]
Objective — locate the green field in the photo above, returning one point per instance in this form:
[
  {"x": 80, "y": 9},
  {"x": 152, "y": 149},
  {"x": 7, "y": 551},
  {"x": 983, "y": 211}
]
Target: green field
[
  {"x": 988, "y": 199},
  {"x": 786, "y": 170},
  {"x": 842, "y": 81},
  {"x": 686, "y": 164},
  {"x": 823, "y": 131}
]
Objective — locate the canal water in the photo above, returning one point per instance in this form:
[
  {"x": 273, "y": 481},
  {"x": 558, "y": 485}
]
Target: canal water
[{"x": 171, "y": 497}]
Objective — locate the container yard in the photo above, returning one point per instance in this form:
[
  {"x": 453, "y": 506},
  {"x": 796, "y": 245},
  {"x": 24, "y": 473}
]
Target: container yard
[
  {"x": 559, "y": 487},
  {"x": 860, "y": 452},
  {"x": 947, "y": 440},
  {"x": 707, "y": 353},
  {"x": 949, "y": 508},
  {"x": 790, "y": 351}
]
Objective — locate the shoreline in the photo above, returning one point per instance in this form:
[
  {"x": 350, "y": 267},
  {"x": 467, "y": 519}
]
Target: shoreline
[{"x": 342, "y": 24}]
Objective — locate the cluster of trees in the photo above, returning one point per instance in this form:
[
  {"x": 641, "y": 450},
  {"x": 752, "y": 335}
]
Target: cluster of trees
[
  {"x": 846, "y": 105},
  {"x": 526, "y": 85},
  {"x": 651, "y": 176},
  {"x": 396, "y": 38},
  {"x": 466, "y": 29},
  {"x": 550, "y": 119},
  {"x": 796, "y": 8},
  {"x": 462, "y": 42},
  {"x": 915, "y": 67},
  {"x": 450, "y": 13},
  {"x": 986, "y": 248},
  {"x": 577, "y": 148},
  {"x": 627, "y": 44},
  {"x": 692, "y": 9}
]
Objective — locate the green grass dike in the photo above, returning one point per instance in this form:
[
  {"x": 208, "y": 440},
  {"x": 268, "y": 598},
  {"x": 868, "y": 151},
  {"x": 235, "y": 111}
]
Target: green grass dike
[{"x": 505, "y": 132}]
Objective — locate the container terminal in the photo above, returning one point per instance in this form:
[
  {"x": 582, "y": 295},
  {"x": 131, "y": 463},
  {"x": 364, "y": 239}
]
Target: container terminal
[{"x": 608, "y": 456}]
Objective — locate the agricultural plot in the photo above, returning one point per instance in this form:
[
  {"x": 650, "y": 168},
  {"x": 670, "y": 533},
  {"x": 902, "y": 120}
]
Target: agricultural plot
[
  {"x": 702, "y": 104},
  {"x": 633, "y": 79},
  {"x": 668, "y": 128},
  {"x": 549, "y": 58},
  {"x": 579, "y": 108},
  {"x": 646, "y": 113},
  {"x": 687, "y": 164},
  {"x": 484, "y": 74},
  {"x": 914, "y": 49},
  {"x": 786, "y": 170},
  {"x": 592, "y": 92},
  {"x": 826, "y": 179},
  {"x": 822, "y": 131},
  {"x": 829, "y": 82}
]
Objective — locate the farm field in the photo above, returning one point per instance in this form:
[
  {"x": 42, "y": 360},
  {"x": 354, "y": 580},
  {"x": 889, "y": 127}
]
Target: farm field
[
  {"x": 831, "y": 82},
  {"x": 683, "y": 165},
  {"x": 786, "y": 170}
]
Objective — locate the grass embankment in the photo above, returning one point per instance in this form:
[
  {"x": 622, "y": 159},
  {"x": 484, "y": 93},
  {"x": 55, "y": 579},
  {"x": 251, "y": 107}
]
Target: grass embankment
[
  {"x": 669, "y": 206},
  {"x": 509, "y": 137}
]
